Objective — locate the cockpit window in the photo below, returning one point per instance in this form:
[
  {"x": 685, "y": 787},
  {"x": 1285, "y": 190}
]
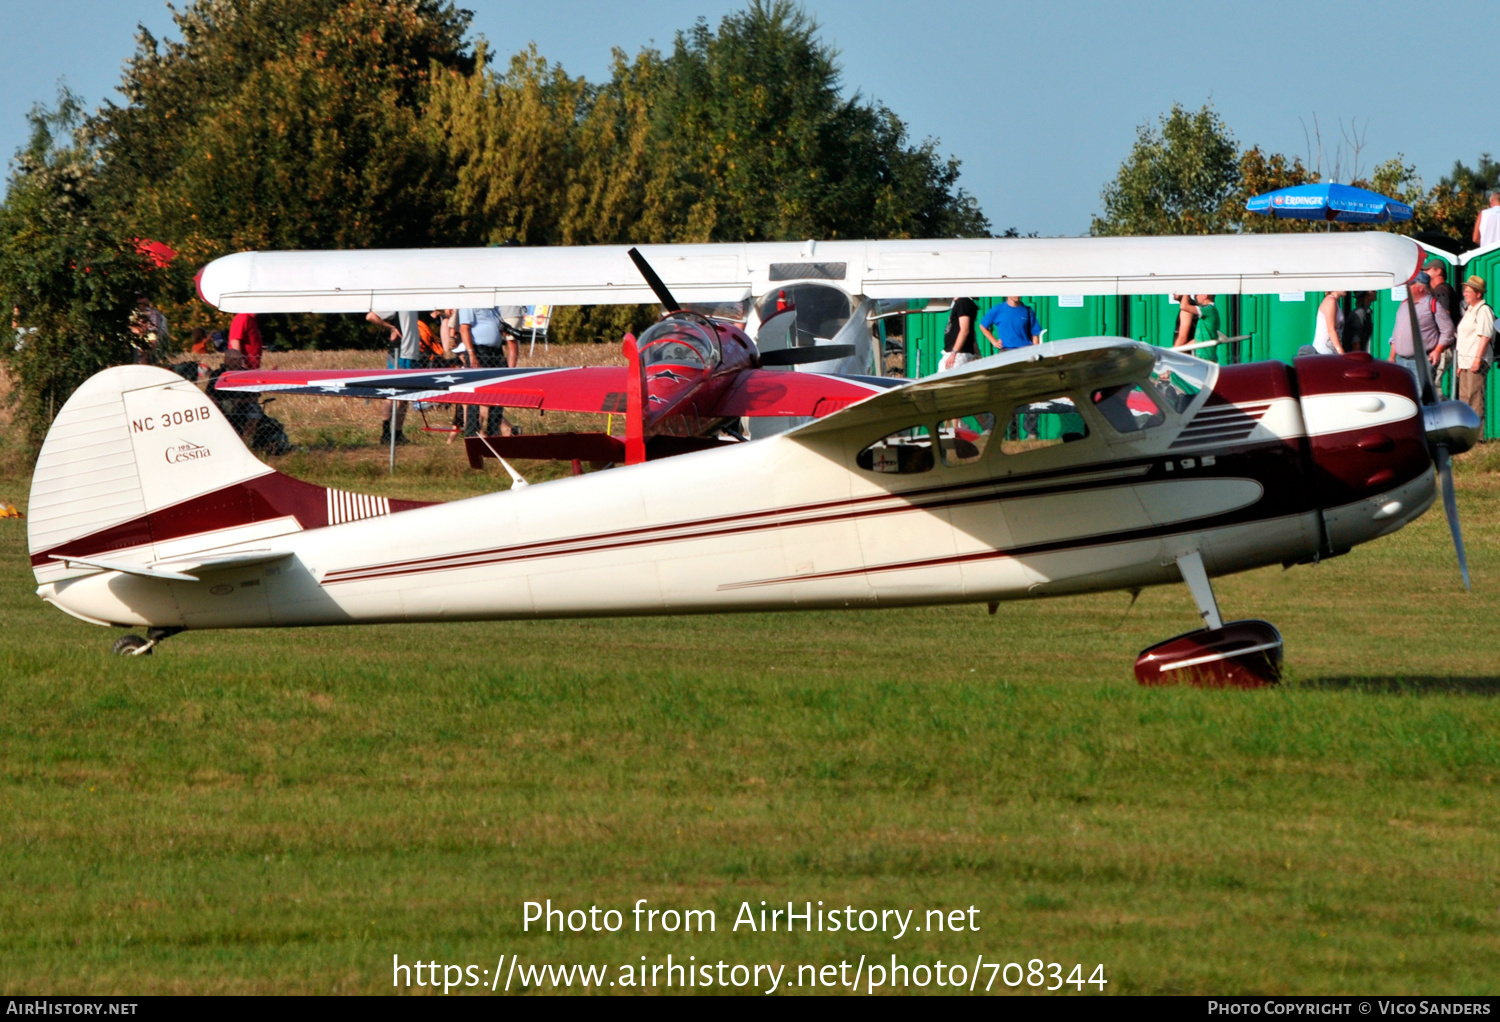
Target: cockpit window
[
  {"x": 679, "y": 341},
  {"x": 904, "y": 452},
  {"x": 1181, "y": 378},
  {"x": 1041, "y": 424},
  {"x": 822, "y": 311},
  {"x": 1128, "y": 407}
]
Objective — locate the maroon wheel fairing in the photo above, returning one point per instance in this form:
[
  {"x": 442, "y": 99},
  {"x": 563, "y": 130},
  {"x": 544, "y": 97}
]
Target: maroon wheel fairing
[{"x": 1242, "y": 654}]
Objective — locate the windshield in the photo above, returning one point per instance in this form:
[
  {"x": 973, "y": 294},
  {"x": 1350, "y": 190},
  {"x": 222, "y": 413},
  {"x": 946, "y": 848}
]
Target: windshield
[
  {"x": 1181, "y": 378},
  {"x": 822, "y": 311},
  {"x": 680, "y": 341}
]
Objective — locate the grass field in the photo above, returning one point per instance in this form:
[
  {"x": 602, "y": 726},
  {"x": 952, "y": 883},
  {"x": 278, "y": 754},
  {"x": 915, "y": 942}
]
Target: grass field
[{"x": 282, "y": 811}]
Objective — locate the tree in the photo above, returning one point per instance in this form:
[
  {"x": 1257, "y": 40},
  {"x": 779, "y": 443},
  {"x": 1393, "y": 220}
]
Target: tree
[
  {"x": 1259, "y": 173},
  {"x": 756, "y": 142},
  {"x": 67, "y": 269},
  {"x": 284, "y": 124},
  {"x": 1179, "y": 179}
]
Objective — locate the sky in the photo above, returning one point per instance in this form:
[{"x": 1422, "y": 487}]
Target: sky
[{"x": 1040, "y": 101}]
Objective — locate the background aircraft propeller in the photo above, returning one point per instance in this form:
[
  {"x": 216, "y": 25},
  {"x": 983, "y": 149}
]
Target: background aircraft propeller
[
  {"x": 654, "y": 282},
  {"x": 1452, "y": 428},
  {"x": 797, "y": 356}
]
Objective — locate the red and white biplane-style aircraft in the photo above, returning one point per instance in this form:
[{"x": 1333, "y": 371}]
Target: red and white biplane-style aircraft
[
  {"x": 1157, "y": 467},
  {"x": 686, "y": 384}
]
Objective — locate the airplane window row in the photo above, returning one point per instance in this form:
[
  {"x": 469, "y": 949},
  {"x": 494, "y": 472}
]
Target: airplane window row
[{"x": 1034, "y": 426}]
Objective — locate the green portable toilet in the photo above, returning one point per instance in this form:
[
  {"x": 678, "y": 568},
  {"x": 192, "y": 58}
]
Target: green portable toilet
[
  {"x": 924, "y": 340},
  {"x": 1278, "y": 324},
  {"x": 1065, "y": 317},
  {"x": 1486, "y": 263}
]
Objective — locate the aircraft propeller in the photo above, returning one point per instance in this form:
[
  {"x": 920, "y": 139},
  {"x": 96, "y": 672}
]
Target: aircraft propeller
[
  {"x": 1452, "y": 428},
  {"x": 654, "y": 282}
]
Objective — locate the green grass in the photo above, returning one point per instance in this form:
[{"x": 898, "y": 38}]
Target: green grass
[{"x": 284, "y": 810}]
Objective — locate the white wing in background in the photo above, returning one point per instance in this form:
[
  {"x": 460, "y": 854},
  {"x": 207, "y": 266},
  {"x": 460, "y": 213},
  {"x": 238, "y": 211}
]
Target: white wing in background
[{"x": 360, "y": 281}]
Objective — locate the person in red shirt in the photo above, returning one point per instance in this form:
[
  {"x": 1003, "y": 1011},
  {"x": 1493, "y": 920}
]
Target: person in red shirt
[{"x": 244, "y": 335}]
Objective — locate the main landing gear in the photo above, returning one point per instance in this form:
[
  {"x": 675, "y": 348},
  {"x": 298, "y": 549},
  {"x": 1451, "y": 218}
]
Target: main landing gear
[
  {"x": 1237, "y": 654},
  {"x": 134, "y": 645}
]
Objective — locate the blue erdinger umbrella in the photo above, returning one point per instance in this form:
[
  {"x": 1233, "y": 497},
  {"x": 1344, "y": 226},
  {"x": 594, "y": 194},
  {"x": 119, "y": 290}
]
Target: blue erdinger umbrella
[{"x": 1330, "y": 201}]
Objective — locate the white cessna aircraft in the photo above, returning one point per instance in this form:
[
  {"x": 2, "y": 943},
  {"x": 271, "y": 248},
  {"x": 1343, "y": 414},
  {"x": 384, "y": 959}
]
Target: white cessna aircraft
[{"x": 1069, "y": 467}]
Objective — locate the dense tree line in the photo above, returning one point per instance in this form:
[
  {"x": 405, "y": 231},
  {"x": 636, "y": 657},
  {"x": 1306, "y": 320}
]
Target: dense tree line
[{"x": 307, "y": 124}]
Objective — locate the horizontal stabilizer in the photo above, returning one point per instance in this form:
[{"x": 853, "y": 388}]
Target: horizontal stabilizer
[
  {"x": 143, "y": 570},
  {"x": 184, "y": 569}
]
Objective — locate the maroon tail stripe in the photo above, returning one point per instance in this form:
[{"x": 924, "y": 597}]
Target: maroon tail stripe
[{"x": 261, "y": 499}]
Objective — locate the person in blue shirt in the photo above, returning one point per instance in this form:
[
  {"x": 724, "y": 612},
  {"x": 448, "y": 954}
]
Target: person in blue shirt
[
  {"x": 1015, "y": 325},
  {"x": 492, "y": 339}
]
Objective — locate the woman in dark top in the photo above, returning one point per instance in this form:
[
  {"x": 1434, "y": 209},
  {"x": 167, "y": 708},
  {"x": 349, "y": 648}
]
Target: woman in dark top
[{"x": 1359, "y": 324}]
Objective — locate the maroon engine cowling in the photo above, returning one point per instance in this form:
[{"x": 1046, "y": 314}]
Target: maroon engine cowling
[
  {"x": 1360, "y": 463},
  {"x": 1242, "y": 654}
]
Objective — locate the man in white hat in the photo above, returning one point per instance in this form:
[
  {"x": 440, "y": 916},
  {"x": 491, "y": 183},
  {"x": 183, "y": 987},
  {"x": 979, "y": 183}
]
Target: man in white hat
[{"x": 1476, "y": 345}]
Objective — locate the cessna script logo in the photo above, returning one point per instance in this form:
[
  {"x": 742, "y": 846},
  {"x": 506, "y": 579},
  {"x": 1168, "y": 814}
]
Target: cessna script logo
[{"x": 186, "y": 452}]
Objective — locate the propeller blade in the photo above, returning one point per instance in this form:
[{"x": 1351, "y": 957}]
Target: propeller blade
[
  {"x": 1450, "y": 505},
  {"x": 653, "y": 281},
  {"x": 798, "y": 356}
]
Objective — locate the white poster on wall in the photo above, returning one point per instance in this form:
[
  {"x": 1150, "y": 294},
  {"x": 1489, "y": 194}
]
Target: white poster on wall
[
  {"x": 1398, "y": 294},
  {"x": 1293, "y": 296},
  {"x": 1070, "y": 301}
]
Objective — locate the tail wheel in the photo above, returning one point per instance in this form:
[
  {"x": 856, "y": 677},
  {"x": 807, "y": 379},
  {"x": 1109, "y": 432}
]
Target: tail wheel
[{"x": 130, "y": 645}]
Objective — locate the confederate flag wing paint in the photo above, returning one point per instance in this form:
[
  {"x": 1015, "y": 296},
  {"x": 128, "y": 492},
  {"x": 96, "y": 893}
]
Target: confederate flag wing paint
[{"x": 599, "y": 389}]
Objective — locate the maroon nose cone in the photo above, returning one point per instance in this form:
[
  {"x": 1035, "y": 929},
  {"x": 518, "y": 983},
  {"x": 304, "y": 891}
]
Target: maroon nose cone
[{"x": 1242, "y": 654}]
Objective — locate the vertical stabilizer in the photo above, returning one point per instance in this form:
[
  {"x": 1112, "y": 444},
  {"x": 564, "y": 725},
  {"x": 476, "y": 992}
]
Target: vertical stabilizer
[{"x": 141, "y": 465}]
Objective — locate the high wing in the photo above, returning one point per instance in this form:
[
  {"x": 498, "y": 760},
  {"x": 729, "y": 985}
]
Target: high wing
[
  {"x": 1009, "y": 378},
  {"x": 361, "y": 281},
  {"x": 756, "y": 392}
]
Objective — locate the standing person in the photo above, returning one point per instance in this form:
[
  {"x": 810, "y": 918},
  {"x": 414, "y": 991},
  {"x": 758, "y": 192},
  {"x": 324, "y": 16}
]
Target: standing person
[
  {"x": 406, "y": 353},
  {"x": 959, "y": 345},
  {"x": 1487, "y": 223},
  {"x": 1445, "y": 296},
  {"x": 1209, "y": 326},
  {"x": 1359, "y": 324},
  {"x": 150, "y": 336},
  {"x": 1476, "y": 345},
  {"x": 1014, "y": 325},
  {"x": 1329, "y": 332},
  {"x": 244, "y": 337},
  {"x": 1433, "y": 322},
  {"x": 484, "y": 332},
  {"x": 454, "y": 355},
  {"x": 1187, "y": 321}
]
